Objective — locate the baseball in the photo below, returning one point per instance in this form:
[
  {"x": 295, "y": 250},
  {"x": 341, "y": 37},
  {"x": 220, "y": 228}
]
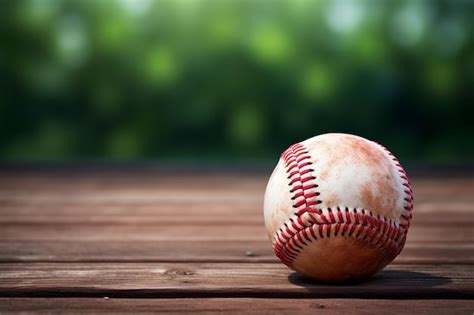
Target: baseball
[{"x": 337, "y": 207}]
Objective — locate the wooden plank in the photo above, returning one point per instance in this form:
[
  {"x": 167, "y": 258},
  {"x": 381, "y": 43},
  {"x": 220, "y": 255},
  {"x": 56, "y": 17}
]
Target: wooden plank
[
  {"x": 203, "y": 205},
  {"x": 203, "y": 251},
  {"x": 187, "y": 231},
  {"x": 235, "y": 305},
  {"x": 225, "y": 280},
  {"x": 211, "y": 188},
  {"x": 138, "y": 188},
  {"x": 242, "y": 204},
  {"x": 437, "y": 189},
  {"x": 136, "y": 198},
  {"x": 132, "y": 181},
  {"x": 90, "y": 188},
  {"x": 222, "y": 214},
  {"x": 121, "y": 177}
]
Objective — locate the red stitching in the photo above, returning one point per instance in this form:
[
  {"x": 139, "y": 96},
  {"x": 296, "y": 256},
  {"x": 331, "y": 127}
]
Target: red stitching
[
  {"x": 368, "y": 228},
  {"x": 380, "y": 231},
  {"x": 297, "y": 161},
  {"x": 408, "y": 198}
]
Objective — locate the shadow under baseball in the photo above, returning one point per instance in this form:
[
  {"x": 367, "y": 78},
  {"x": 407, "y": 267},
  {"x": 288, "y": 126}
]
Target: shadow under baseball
[{"x": 385, "y": 284}]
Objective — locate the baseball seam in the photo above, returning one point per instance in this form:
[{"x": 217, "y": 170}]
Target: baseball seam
[
  {"x": 408, "y": 199},
  {"x": 310, "y": 223}
]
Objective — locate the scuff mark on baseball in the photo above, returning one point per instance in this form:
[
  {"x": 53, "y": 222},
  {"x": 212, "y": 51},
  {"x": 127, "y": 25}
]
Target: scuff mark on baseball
[{"x": 337, "y": 207}]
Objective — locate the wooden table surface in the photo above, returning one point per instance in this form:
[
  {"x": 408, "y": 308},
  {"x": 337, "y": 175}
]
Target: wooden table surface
[{"x": 180, "y": 241}]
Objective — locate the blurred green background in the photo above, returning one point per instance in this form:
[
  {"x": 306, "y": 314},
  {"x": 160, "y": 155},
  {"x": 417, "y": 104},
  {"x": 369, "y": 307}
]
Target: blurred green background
[{"x": 233, "y": 80}]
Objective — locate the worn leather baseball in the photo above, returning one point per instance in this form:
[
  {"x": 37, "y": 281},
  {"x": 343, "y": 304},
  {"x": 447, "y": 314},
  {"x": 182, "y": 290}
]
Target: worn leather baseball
[{"x": 337, "y": 207}]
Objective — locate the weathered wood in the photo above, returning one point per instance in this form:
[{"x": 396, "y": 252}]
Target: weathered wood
[
  {"x": 143, "y": 187},
  {"x": 218, "y": 214},
  {"x": 192, "y": 236},
  {"x": 187, "y": 231},
  {"x": 202, "y": 251},
  {"x": 225, "y": 280},
  {"x": 235, "y": 305},
  {"x": 136, "y": 198}
]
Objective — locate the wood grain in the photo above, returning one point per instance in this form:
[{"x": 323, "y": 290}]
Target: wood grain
[
  {"x": 194, "y": 241},
  {"x": 201, "y": 251},
  {"x": 163, "y": 213},
  {"x": 225, "y": 280},
  {"x": 185, "y": 232},
  {"x": 235, "y": 306}
]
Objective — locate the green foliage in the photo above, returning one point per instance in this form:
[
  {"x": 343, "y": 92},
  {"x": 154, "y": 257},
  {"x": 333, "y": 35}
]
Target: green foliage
[{"x": 199, "y": 79}]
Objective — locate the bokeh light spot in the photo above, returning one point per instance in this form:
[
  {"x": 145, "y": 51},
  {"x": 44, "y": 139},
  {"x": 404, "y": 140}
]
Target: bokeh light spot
[
  {"x": 162, "y": 65},
  {"x": 271, "y": 44}
]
